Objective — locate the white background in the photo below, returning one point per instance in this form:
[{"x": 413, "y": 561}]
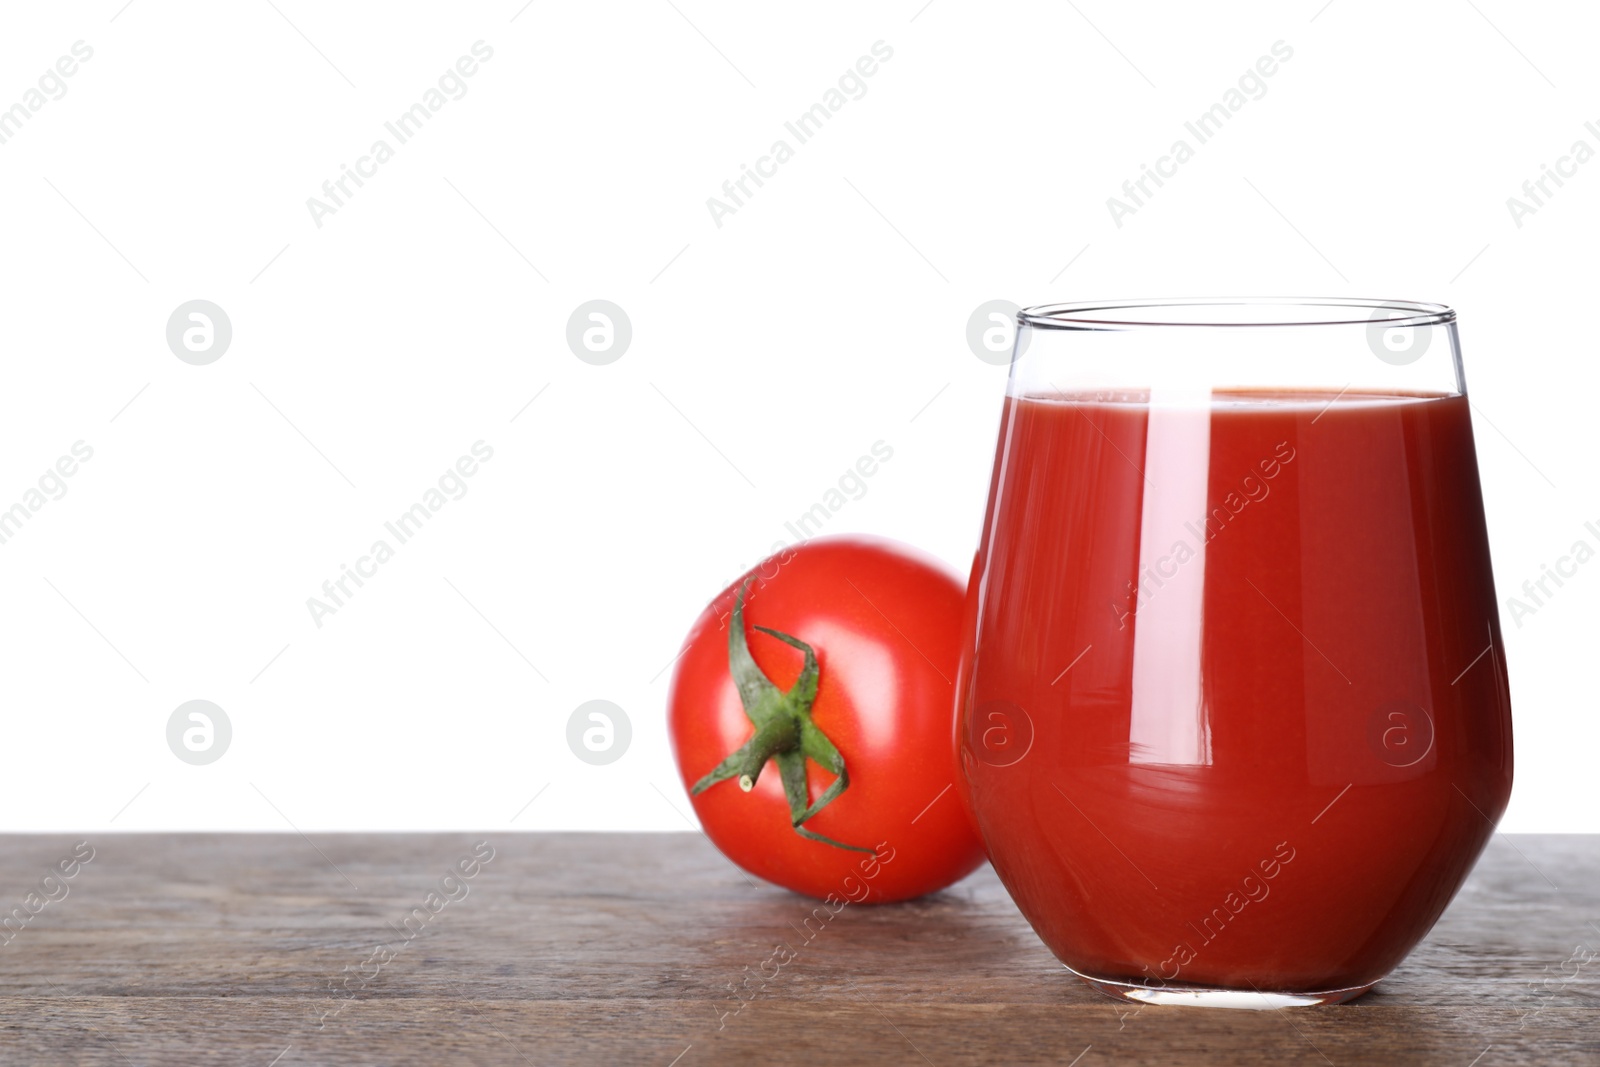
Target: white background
[{"x": 768, "y": 354}]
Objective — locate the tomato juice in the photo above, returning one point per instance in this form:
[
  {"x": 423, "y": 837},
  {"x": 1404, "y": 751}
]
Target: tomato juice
[{"x": 1238, "y": 714}]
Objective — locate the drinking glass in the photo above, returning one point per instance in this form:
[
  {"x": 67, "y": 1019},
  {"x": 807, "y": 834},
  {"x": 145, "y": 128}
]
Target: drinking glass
[{"x": 1233, "y": 708}]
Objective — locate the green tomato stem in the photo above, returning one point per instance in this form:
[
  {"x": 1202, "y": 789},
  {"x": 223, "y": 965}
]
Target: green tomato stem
[{"x": 783, "y": 733}]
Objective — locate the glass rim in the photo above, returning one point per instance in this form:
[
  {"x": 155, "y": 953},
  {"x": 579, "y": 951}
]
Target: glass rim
[{"x": 1253, "y": 313}]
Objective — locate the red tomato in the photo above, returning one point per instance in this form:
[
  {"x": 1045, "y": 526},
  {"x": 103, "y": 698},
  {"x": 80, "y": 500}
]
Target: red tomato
[{"x": 885, "y": 624}]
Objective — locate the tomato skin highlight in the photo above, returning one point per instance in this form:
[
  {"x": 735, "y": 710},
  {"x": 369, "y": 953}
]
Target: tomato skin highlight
[{"x": 885, "y": 621}]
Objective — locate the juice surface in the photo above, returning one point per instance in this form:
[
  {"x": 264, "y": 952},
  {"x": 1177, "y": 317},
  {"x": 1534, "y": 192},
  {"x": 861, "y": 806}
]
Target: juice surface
[{"x": 1238, "y": 714}]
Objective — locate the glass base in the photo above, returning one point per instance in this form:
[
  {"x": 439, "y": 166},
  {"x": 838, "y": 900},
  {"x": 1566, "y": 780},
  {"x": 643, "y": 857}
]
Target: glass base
[{"x": 1205, "y": 997}]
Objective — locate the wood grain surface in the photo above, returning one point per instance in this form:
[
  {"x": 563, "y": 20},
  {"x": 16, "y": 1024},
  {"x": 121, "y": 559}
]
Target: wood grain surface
[{"x": 623, "y": 948}]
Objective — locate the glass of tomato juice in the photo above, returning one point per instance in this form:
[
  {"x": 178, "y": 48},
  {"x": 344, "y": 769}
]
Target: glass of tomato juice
[{"x": 1233, "y": 710}]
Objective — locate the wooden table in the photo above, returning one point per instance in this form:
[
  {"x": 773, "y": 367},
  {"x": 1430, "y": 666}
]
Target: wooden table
[{"x": 628, "y": 948}]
